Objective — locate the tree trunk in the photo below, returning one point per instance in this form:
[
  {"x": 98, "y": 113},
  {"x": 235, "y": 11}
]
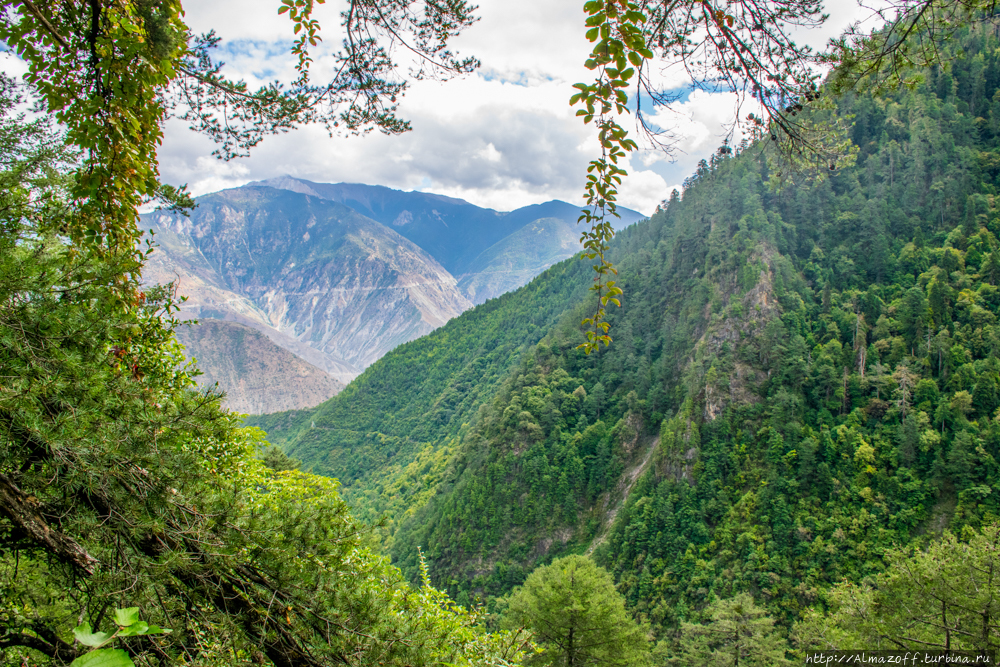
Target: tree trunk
[{"x": 23, "y": 510}]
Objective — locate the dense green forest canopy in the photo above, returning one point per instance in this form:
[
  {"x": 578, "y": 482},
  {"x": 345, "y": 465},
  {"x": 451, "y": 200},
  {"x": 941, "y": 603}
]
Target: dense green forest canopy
[
  {"x": 818, "y": 364},
  {"x": 804, "y": 379}
]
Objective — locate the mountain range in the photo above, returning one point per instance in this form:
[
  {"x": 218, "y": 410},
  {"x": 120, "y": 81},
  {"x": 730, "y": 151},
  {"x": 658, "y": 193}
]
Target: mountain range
[
  {"x": 486, "y": 250},
  {"x": 340, "y": 274}
]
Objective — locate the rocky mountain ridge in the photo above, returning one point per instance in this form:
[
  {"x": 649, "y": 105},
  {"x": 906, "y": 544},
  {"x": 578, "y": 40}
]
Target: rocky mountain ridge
[
  {"x": 339, "y": 274},
  {"x": 456, "y": 233},
  {"x": 307, "y": 269}
]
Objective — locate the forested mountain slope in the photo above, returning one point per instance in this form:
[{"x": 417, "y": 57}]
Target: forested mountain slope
[
  {"x": 800, "y": 379},
  {"x": 819, "y": 364}
]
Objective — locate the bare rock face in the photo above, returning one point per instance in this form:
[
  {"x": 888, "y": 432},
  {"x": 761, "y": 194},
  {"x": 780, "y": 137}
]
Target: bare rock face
[
  {"x": 488, "y": 251},
  {"x": 257, "y": 375},
  {"x": 317, "y": 278}
]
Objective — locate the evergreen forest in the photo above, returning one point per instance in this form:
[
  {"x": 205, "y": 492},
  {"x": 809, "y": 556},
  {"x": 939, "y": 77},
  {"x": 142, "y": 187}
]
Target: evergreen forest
[
  {"x": 802, "y": 389},
  {"x": 791, "y": 444}
]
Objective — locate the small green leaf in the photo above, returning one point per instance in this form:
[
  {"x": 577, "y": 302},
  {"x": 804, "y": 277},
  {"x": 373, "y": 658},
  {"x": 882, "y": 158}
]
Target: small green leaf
[
  {"x": 126, "y": 617},
  {"x": 137, "y": 628},
  {"x": 84, "y": 635},
  {"x": 106, "y": 657}
]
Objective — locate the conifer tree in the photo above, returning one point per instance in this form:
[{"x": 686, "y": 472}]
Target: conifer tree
[
  {"x": 946, "y": 596},
  {"x": 736, "y": 633},
  {"x": 578, "y": 617}
]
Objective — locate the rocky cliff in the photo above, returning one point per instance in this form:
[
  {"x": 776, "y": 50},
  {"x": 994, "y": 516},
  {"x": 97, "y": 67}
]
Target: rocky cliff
[{"x": 257, "y": 375}]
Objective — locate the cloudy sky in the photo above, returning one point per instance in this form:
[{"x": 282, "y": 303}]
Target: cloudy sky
[{"x": 503, "y": 137}]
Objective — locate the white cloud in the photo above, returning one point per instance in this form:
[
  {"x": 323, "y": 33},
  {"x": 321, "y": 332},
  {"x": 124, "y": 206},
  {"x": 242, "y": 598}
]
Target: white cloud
[
  {"x": 490, "y": 153},
  {"x": 503, "y": 137},
  {"x": 643, "y": 190}
]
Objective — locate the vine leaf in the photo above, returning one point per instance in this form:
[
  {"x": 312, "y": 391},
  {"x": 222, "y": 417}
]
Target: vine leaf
[
  {"x": 617, "y": 28},
  {"x": 85, "y": 636},
  {"x": 126, "y": 617},
  {"x": 106, "y": 657}
]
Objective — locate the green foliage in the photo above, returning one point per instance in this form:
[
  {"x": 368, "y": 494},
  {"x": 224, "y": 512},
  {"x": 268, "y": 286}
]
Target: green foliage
[
  {"x": 158, "y": 494},
  {"x": 577, "y": 616},
  {"x": 276, "y": 459},
  {"x": 128, "y": 625},
  {"x": 104, "y": 82},
  {"x": 802, "y": 378},
  {"x": 105, "y": 657},
  {"x": 544, "y": 437},
  {"x": 744, "y": 48},
  {"x": 735, "y": 632},
  {"x": 849, "y": 437},
  {"x": 941, "y": 597},
  {"x": 616, "y": 30},
  {"x": 122, "y": 485}
]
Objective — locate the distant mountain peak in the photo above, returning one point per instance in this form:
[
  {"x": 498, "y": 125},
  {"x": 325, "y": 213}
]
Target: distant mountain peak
[
  {"x": 341, "y": 273},
  {"x": 296, "y": 184},
  {"x": 286, "y": 182},
  {"x": 452, "y": 230}
]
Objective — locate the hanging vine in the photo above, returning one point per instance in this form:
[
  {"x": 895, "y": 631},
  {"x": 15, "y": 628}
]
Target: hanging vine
[{"x": 616, "y": 28}]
